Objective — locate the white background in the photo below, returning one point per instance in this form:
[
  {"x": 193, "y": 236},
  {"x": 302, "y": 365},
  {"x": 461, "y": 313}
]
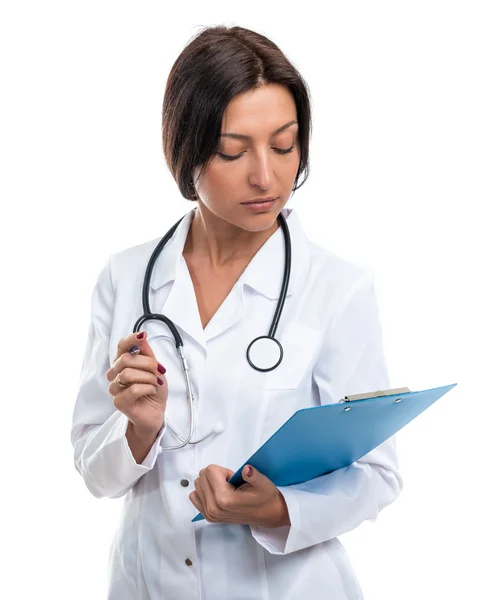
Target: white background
[{"x": 393, "y": 184}]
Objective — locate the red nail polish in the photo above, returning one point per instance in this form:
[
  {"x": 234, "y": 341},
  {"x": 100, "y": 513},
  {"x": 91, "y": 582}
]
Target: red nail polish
[
  {"x": 161, "y": 369},
  {"x": 140, "y": 335},
  {"x": 160, "y": 381}
]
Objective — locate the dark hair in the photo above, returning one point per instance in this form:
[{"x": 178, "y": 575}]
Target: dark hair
[{"x": 218, "y": 64}]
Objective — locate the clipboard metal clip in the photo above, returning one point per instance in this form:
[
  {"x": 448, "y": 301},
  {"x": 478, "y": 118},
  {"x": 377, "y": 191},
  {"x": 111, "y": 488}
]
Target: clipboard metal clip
[{"x": 378, "y": 394}]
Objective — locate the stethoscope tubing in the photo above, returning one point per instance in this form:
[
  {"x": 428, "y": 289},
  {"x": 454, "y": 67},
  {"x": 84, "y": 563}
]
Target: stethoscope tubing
[{"x": 148, "y": 315}]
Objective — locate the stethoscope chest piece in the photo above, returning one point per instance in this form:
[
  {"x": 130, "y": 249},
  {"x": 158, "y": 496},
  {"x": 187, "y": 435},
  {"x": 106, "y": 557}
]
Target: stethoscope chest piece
[{"x": 264, "y": 353}]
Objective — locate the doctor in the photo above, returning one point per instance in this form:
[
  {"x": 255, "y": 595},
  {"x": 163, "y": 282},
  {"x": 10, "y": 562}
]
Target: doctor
[{"x": 236, "y": 123}]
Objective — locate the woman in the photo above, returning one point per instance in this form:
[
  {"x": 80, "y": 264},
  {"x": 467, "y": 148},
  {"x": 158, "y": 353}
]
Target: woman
[{"x": 236, "y": 125}]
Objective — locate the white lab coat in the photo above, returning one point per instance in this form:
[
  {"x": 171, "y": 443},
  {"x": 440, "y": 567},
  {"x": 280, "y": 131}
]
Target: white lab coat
[{"x": 332, "y": 339}]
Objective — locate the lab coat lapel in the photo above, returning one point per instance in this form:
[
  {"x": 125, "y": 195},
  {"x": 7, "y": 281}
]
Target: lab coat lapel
[
  {"x": 181, "y": 306},
  {"x": 171, "y": 270},
  {"x": 228, "y": 314},
  {"x": 264, "y": 274}
]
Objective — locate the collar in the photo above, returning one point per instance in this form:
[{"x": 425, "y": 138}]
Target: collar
[{"x": 265, "y": 271}]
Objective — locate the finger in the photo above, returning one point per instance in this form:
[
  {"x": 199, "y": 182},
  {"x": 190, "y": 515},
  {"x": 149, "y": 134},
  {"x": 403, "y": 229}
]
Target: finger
[
  {"x": 130, "y": 376},
  {"x": 132, "y": 341},
  {"x": 216, "y": 490},
  {"x": 129, "y": 395},
  {"x": 195, "y": 500},
  {"x": 218, "y": 476},
  {"x": 208, "y": 497},
  {"x": 199, "y": 490},
  {"x": 135, "y": 361},
  {"x": 210, "y": 509},
  {"x": 198, "y": 501}
]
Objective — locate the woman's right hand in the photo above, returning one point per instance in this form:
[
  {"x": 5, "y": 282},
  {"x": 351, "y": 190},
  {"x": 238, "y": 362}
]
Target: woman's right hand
[{"x": 143, "y": 401}]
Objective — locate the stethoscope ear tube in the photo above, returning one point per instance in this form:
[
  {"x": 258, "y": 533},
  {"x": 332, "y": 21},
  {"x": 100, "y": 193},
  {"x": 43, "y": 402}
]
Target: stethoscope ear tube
[
  {"x": 147, "y": 314},
  {"x": 168, "y": 322},
  {"x": 286, "y": 277},
  {"x": 151, "y": 263}
]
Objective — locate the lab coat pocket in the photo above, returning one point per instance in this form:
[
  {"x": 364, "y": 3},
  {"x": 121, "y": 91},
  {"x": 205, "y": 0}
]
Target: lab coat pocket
[
  {"x": 289, "y": 387},
  {"x": 301, "y": 345}
]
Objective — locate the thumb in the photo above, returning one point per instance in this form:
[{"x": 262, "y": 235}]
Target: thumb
[
  {"x": 145, "y": 349},
  {"x": 251, "y": 475},
  {"x": 142, "y": 347}
]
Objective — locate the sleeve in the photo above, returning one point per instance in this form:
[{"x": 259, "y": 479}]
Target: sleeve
[
  {"x": 352, "y": 361},
  {"x": 102, "y": 455}
]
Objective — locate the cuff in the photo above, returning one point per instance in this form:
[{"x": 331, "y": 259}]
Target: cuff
[
  {"x": 279, "y": 540},
  {"x": 107, "y": 464},
  {"x": 155, "y": 450}
]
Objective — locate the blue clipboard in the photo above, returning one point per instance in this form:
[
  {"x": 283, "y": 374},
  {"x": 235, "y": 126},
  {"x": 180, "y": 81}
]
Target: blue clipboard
[{"x": 321, "y": 439}]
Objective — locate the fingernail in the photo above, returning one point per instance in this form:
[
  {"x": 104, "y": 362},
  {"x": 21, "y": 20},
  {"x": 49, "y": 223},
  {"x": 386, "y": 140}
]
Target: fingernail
[
  {"x": 160, "y": 381},
  {"x": 161, "y": 369},
  {"x": 249, "y": 471},
  {"x": 140, "y": 335}
]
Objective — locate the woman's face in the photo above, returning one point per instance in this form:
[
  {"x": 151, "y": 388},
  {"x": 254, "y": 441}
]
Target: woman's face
[{"x": 265, "y": 162}]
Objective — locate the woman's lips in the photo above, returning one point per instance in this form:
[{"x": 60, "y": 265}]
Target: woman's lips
[{"x": 260, "y": 206}]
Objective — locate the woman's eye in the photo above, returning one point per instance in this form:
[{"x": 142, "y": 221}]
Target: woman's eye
[
  {"x": 227, "y": 156},
  {"x": 278, "y": 150},
  {"x": 285, "y": 151}
]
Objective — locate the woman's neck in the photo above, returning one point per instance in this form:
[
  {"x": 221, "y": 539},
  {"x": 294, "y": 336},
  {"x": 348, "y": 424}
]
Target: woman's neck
[{"x": 219, "y": 243}]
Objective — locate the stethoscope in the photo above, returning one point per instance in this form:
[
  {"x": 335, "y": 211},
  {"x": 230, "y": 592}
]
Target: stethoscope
[{"x": 264, "y": 353}]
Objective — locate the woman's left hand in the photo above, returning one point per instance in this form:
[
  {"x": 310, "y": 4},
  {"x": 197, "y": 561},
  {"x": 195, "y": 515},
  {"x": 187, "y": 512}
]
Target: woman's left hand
[{"x": 256, "y": 502}]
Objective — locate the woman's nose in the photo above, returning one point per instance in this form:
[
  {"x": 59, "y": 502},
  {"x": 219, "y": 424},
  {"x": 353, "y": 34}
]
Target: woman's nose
[{"x": 261, "y": 171}]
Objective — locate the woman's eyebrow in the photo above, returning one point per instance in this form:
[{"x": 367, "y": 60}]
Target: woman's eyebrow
[{"x": 239, "y": 136}]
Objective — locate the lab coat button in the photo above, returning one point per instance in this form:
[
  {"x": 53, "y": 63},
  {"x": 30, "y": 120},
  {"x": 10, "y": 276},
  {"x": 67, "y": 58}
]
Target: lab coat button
[
  {"x": 185, "y": 482},
  {"x": 188, "y": 562}
]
